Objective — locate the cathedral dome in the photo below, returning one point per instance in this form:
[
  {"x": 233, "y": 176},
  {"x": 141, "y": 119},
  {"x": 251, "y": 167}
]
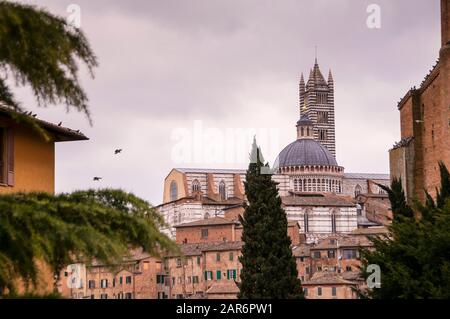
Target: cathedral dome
[{"x": 305, "y": 152}]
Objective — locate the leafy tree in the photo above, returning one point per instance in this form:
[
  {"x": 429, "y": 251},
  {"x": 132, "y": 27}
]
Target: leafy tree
[
  {"x": 67, "y": 228},
  {"x": 268, "y": 267},
  {"x": 415, "y": 257},
  {"x": 41, "y": 50}
]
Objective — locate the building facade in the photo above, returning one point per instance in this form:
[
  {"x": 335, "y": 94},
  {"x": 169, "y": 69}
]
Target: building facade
[
  {"x": 315, "y": 190},
  {"x": 425, "y": 125}
]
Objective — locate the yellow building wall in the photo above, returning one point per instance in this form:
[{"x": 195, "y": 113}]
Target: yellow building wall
[
  {"x": 180, "y": 179},
  {"x": 34, "y": 163}
]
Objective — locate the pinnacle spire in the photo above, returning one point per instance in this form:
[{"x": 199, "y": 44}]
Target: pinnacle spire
[{"x": 330, "y": 76}]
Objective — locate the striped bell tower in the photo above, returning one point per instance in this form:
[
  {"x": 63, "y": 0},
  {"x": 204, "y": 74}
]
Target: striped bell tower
[{"x": 317, "y": 101}]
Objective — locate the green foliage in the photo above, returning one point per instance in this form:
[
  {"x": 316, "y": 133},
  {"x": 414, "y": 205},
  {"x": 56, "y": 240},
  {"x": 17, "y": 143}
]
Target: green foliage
[
  {"x": 415, "y": 257},
  {"x": 268, "y": 267},
  {"x": 41, "y": 50},
  {"x": 63, "y": 229}
]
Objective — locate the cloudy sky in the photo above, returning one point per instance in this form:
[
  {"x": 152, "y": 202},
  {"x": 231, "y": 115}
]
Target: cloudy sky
[{"x": 175, "y": 75}]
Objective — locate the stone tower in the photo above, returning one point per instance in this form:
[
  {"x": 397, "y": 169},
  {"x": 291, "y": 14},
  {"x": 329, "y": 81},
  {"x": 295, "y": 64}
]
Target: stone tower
[{"x": 317, "y": 101}]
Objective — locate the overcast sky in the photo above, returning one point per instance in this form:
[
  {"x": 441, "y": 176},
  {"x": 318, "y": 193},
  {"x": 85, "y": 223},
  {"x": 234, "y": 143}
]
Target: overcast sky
[{"x": 167, "y": 67}]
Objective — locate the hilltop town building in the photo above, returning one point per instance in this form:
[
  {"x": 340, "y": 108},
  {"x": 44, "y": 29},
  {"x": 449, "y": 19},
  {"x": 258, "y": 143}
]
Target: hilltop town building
[
  {"x": 425, "y": 124},
  {"x": 316, "y": 193}
]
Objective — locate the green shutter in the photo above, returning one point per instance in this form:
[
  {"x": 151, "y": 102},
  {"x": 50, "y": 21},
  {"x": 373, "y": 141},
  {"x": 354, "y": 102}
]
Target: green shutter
[{"x": 218, "y": 275}]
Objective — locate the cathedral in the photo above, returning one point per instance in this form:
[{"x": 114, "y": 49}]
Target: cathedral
[{"x": 316, "y": 193}]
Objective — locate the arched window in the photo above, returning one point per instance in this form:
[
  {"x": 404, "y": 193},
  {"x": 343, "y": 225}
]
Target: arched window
[
  {"x": 196, "y": 186},
  {"x": 173, "y": 191},
  {"x": 358, "y": 190},
  {"x": 206, "y": 216},
  {"x": 223, "y": 190}
]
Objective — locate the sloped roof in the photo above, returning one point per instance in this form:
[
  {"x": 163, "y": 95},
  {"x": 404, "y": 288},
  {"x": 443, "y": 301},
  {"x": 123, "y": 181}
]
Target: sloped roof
[
  {"x": 213, "y": 221},
  {"x": 60, "y": 133},
  {"x": 327, "y": 278},
  {"x": 323, "y": 200},
  {"x": 197, "y": 248},
  {"x": 212, "y": 170},
  {"x": 367, "y": 176},
  {"x": 226, "y": 287}
]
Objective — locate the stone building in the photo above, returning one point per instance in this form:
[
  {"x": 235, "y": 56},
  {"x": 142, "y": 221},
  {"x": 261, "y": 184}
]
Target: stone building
[
  {"x": 425, "y": 124},
  {"x": 316, "y": 192},
  {"x": 203, "y": 267},
  {"x": 140, "y": 276},
  {"x": 330, "y": 268}
]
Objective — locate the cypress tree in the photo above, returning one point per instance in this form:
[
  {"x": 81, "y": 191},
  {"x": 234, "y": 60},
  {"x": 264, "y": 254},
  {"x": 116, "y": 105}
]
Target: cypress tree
[{"x": 269, "y": 268}]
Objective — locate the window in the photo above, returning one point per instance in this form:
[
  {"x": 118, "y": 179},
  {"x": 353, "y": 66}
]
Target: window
[
  {"x": 350, "y": 254},
  {"x": 121, "y": 280},
  {"x": 128, "y": 280},
  {"x": 178, "y": 262},
  {"x": 305, "y": 290},
  {"x": 333, "y": 291},
  {"x": 348, "y": 268},
  {"x": 198, "y": 260},
  {"x": 319, "y": 268},
  {"x": 6, "y": 157},
  {"x": 104, "y": 296},
  {"x": 180, "y": 280},
  {"x": 231, "y": 256},
  {"x": 195, "y": 279},
  {"x": 128, "y": 295},
  {"x": 205, "y": 233},
  {"x": 322, "y": 98},
  {"x": 333, "y": 222},
  {"x": 231, "y": 274},
  {"x": 319, "y": 291},
  {"x": 306, "y": 221},
  {"x": 307, "y": 270},
  {"x": 208, "y": 275},
  {"x": 322, "y": 135},
  {"x": 114, "y": 282},
  {"x": 358, "y": 190},
  {"x": 91, "y": 284},
  {"x": 222, "y": 190},
  {"x": 218, "y": 274},
  {"x": 173, "y": 191},
  {"x": 104, "y": 283},
  {"x": 322, "y": 117},
  {"x": 317, "y": 254},
  {"x": 217, "y": 256},
  {"x": 331, "y": 253},
  {"x": 160, "y": 279},
  {"x": 92, "y": 296},
  {"x": 196, "y": 186}
]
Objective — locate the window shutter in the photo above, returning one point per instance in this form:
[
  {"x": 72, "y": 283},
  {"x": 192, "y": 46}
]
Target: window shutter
[{"x": 10, "y": 157}]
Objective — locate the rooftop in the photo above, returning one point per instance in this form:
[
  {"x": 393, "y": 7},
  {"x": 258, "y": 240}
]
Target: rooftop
[
  {"x": 212, "y": 221},
  {"x": 60, "y": 133},
  {"x": 319, "y": 200},
  {"x": 366, "y": 176},
  {"x": 327, "y": 278}
]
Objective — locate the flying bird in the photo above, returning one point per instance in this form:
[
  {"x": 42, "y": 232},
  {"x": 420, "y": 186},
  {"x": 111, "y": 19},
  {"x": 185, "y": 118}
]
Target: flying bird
[
  {"x": 96, "y": 179},
  {"x": 117, "y": 151}
]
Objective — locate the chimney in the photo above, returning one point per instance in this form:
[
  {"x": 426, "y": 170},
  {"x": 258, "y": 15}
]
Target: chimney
[{"x": 445, "y": 21}]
